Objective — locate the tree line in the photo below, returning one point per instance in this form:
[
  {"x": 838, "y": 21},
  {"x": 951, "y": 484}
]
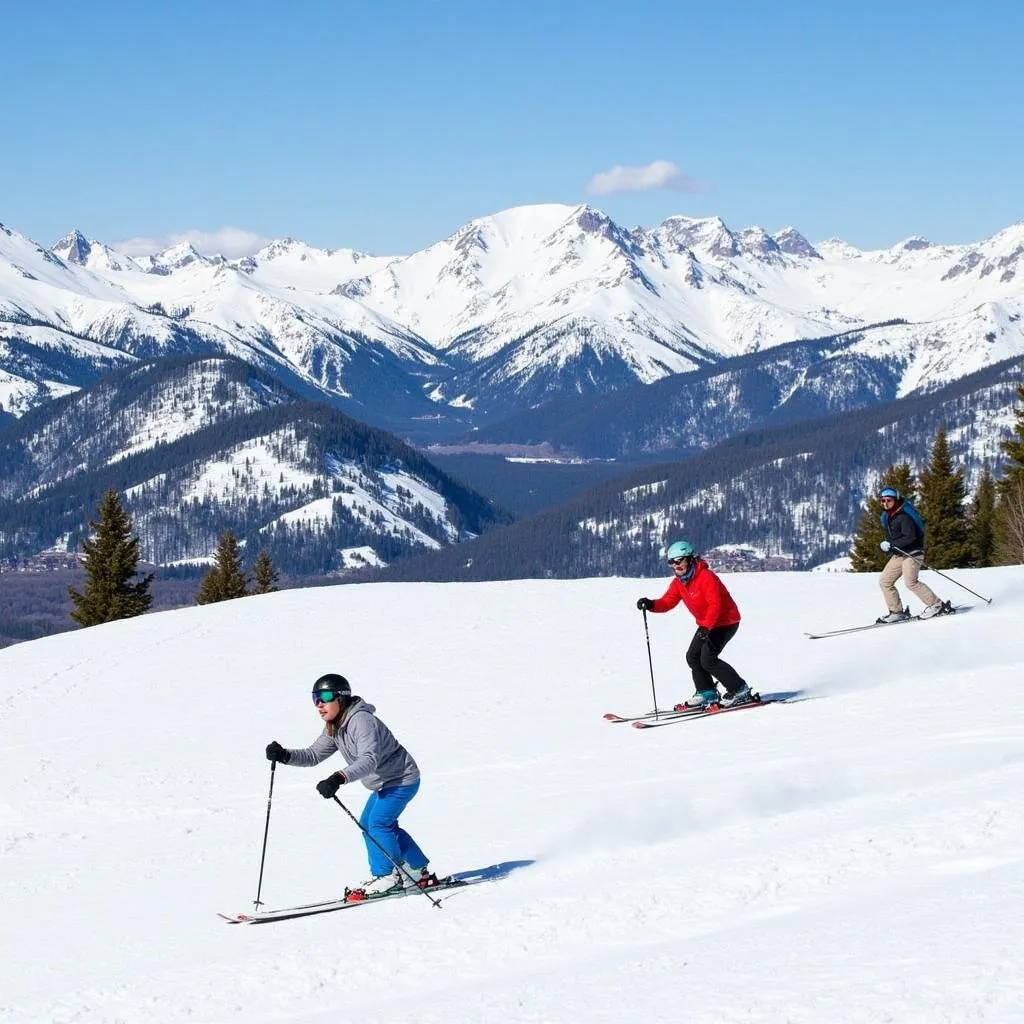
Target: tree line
[
  {"x": 798, "y": 490},
  {"x": 988, "y": 530},
  {"x": 114, "y": 588}
]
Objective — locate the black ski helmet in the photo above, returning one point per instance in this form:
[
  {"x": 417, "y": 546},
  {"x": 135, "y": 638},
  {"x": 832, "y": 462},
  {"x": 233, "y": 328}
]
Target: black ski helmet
[{"x": 332, "y": 681}]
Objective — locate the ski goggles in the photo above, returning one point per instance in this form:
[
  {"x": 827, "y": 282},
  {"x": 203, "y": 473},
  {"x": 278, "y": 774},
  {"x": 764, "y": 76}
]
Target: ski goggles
[
  {"x": 325, "y": 696},
  {"x": 679, "y": 560}
]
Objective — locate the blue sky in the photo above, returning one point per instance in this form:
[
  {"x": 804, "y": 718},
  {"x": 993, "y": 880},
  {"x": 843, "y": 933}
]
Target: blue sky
[{"x": 386, "y": 125}]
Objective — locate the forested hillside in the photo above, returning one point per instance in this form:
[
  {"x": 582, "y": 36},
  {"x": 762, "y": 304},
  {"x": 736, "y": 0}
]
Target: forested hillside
[{"x": 795, "y": 491}]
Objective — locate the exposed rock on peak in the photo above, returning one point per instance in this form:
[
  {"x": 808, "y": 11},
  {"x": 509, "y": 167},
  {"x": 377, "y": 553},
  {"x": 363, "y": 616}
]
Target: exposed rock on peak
[
  {"x": 791, "y": 242},
  {"x": 74, "y": 248}
]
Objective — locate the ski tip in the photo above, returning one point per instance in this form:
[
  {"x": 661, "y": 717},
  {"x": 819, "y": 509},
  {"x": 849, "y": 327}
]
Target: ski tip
[
  {"x": 639, "y": 725},
  {"x": 610, "y": 716}
]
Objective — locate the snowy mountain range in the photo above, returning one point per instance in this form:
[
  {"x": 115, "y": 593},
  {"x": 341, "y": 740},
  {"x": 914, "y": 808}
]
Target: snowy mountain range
[
  {"x": 538, "y": 324},
  {"x": 513, "y": 310}
]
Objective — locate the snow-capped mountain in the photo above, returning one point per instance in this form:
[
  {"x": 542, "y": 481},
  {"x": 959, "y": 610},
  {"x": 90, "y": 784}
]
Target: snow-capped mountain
[
  {"x": 65, "y": 320},
  {"x": 512, "y": 310},
  {"x": 198, "y": 446}
]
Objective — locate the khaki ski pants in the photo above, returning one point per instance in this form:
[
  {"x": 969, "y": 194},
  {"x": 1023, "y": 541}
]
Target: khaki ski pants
[{"x": 907, "y": 567}]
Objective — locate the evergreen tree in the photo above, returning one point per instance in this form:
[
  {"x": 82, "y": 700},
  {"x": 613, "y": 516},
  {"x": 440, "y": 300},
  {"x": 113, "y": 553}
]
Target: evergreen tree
[
  {"x": 264, "y": 575},
  {"x": 981, "y": 521},
  {"x": 1009, "y": 523},
  {"x": 226, "y": 580},
  {"x": 947, "y": 537},
  {"x": 111, "y": 561},
  {"x": 866, "y": 555}
]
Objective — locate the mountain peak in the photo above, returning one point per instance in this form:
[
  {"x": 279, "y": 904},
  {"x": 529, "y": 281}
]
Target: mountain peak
[
  {"x": 74, "y": 247},
  {"x": 278, "y": 248},
  {"x": 839, "y": 248},
  {"x": 791, "y": 242},
  {"x": 705, "y": 234},
  {"x": 592, "y": 221},
  {"x": 757, "y": 242},
  {"x": 180, "y": 255},
  {"x": 914, "y": 244}
]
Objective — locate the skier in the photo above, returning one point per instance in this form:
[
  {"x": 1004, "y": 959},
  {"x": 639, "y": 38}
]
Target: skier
[
  {"x": 374, "y": 757},
  {"x": 904, "y": 537},
  {"x": 718, "y": 619}
]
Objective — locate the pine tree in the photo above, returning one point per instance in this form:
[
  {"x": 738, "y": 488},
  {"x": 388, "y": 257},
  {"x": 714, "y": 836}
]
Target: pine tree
[
  {"x": 111, "y": 560},
  {"x": 264, "y": 575},
  {"x": 1009, "y": 523},
  {"x": 981, "y": 521},
  {"x": 947, "y": 537},
  {"x": 226, "y": 580},
  {"x": 866, "y": 555}
]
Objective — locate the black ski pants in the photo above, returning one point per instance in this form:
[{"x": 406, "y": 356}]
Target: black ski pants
[{"x": 703, "y": 658}]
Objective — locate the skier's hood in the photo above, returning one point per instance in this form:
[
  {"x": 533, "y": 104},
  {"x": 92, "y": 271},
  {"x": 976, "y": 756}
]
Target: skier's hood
[{"x": 357, "y": 704}]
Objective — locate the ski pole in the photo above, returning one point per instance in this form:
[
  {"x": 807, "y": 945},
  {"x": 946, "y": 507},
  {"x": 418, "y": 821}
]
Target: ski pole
[
  {"x": 266, "y": 832},
  {"x": 398, "y": 867},
  {"x": 650, "y": 662},
  {"x": 987, "y": 600}
]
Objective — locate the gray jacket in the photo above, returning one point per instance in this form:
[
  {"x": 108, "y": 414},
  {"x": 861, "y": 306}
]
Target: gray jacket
[{"x": 373, "y": 755}]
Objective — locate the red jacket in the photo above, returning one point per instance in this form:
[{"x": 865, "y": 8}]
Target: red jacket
[{"x": 705, "y": 595}]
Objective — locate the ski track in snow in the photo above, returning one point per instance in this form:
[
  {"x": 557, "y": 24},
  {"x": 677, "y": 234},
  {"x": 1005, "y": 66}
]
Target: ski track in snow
[{"x": 857, "y": 857}]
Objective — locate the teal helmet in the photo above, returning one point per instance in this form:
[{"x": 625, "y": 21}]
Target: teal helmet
[{"x": 679, "y": 549}]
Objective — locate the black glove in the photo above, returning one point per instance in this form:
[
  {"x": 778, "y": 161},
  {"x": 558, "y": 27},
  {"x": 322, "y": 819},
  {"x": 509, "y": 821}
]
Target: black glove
[
  {"x": 329, "y": 786},
  {"x": 275, "y": 752},
  {"x": 703, "y": 634},
  {"x": 644, "y": 604}
]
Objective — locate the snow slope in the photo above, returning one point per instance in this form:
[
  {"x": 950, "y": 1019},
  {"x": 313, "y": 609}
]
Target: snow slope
[{"x": 857, "y": 857}]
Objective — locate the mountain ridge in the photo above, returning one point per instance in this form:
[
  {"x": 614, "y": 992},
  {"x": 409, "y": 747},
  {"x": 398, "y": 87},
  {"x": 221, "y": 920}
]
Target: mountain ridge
[
  {"x": 511, "y": 311},
  {"x": 197, "y": 446}
]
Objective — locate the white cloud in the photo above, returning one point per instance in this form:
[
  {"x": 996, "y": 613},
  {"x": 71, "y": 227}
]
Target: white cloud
[
  {"x": 229, "y": 242},
  {"x": 659, "y": 174}
]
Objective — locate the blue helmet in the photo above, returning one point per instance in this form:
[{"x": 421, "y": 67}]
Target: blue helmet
[
  {"x": 680, "y": 549},
  {"x": 889, "y": 492}
]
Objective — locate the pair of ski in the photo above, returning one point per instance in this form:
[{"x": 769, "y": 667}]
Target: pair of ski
[
  {"x": 329, "y": 906},
  {"x": 947, "y": 609},
  {"x": 460, "y": 880},
  {"x": 656, "y": 719}
]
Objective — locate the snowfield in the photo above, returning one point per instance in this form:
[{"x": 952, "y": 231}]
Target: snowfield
[{"x": 854, "y": 857}]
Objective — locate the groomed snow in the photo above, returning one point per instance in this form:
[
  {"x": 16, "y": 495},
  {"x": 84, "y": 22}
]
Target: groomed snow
[{"x": 856, "y": 857}]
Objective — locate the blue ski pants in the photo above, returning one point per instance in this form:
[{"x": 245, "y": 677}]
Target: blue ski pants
[{"x": 380, "y": 820}]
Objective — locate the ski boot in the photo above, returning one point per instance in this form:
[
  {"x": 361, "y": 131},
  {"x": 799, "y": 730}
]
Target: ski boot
[
  {"x": 742, "y": 696},
  {"x": 884, "y": 620},
  {"x": 701, "y": 700}
]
